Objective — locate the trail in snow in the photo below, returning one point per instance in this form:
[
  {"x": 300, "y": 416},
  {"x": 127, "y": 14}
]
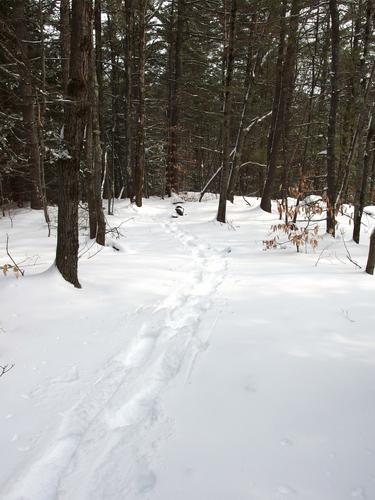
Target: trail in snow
[{"x": 96, "y": 453}]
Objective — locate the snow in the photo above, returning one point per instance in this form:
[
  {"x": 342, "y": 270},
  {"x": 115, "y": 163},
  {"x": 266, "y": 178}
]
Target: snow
[
  {"x": 370, "y": 210},
  {"x": 310, "y": 199},
  {"x": 191, "y": 365}
]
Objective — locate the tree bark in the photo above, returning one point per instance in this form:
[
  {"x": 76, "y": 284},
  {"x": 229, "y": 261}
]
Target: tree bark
[
  {"x": 275, "y": 131},
  {"x": 332, "y": 120},
  {"x": 140, "y": 150},
  {"x": 65, "y": 42},
  {"x": 76, "y": 117},
  {"x": 364, "y": 149},
  {"x": 99, "y": 82},
  {"x": 42, "y": 105},
  {"x": 114, "y": 82},
  {"x": 29, "y": 98},
  {"x": 129, "y": 26},
  {"x": 371, "y": 255},
  {"x": 94, "y": 157},
  {"x": 227, "y": 113},
  {"x": 282, "y": 99},
  {"x": 174, "y": 77},
  {"x": 363, "y": 174},
  {"x": 251, "y": 71}
]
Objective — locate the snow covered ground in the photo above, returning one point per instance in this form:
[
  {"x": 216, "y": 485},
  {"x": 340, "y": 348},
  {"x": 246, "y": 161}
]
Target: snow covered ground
[{"x": 192, "y": 365}]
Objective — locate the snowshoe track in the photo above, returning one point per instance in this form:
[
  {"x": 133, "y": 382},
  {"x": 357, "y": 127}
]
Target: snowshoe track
[{"x": 95, "y": 453}]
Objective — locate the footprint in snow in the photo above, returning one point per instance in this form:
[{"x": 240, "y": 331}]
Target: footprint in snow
[
  {"x": 250, "y": 388},
  {"x": 286, "y": 490},
  {"x": 146, "y": 481},
  {"x": 287, "y": 443}
]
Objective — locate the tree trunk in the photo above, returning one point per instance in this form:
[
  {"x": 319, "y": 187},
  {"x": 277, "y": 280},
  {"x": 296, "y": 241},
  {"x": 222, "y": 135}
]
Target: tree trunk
[
  {"x": 174, "y": 77},
  {"x": 282, "y": 100},
  {"x": 287, "y": 98},
  {"x": 76, "y": 116},
  {"x": 65, "y": 42},
  {"x": 110, "y": 178},
  {"x": 332, "y": 120},
  {"x": 42, "y": 105},
  {"x": 227, "y": 113},
  {"x": 94, "y": 158},
  {"x": 251, "y": 71},
  {"x": 97, "y": 166},
  {"x": 29, "y": 115},
  {"x": 364, "y": 150},
  {"x": 275, "y": 131},
  {"x": 89, "y": 173},
  {"x": 362, "y": 182},
  {"x": 140, "y": 151},
  {"x": 99, "y": 88},
  {"x": 129, "y": 22},
  {"x": 371, "y": 255},
  {"x": 372, "y": 176}
]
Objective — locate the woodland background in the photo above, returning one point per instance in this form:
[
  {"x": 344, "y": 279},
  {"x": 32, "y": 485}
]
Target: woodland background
[{"x": 105, "y": 99}]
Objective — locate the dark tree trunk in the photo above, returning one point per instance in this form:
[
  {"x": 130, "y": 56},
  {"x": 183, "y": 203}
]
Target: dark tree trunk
[
  {"x": 227, "y": 113},
  {"x": 65, "y": 42},
  {"x": 129, "y": 26},
  {"x": 99, "y": 78},
  {"x": 89, "y": 175},
  {"x": 332, "y": 121},
  {"x": 371, "y": 255},
  {"x": 372, "y": 176},
  {"x": 357, "y": 107},
  {"x": 97, "y": 173},
  {"x": 28, "y": 105},
  {"x": 174, "y": 78},
  {"x": 251, "y": 71},
  {"x": 275, "y": 131},
  {"x": 364, "y": 149},
  {"x": 76, "y": 116},
  {"x": 99, "y": 61},
  {"x": 110, "y": 177},
  {"x": 42, "y": 105},
  {"x": 94, "y": 158},
  {"x": 282, "y": 99},
  {"x": 362, "y": 182},
  {"x": 140, "y": 148},
  {"x": 289, "y": 73}
]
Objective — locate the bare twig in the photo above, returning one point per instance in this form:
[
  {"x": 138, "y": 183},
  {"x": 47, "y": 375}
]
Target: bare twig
[
  {"x": 348, "y": 256},
  {"x": 11, "y": 258},
  {"x": 115, "y": 230},
  {"x": 80, "y": 255},
  {"x": 320, "y": 255},
  {"x": 245, "y": 200},
  {"x": 5, "y": 368}
]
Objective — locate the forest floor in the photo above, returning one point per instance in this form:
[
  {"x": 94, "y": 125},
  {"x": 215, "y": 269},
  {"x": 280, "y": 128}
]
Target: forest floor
[{"x": 192, "y": 365}]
